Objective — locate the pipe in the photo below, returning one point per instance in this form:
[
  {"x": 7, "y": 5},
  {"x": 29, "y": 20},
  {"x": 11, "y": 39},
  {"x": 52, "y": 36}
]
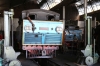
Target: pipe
[
  {"x": 33, "y": 28},
  {"x": 85, "y": 18},
  {"x": 89, "y": 30}
]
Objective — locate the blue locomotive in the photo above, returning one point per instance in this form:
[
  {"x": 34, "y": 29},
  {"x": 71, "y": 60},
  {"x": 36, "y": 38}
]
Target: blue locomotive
[
  {"x": 73, "y": 36},
  {"x": 40, "y": 32},
  {"x": 69, "y": 36}
]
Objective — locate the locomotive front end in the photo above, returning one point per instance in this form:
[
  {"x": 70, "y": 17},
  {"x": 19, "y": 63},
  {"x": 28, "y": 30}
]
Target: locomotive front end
[{"x": 43, "y": 39}]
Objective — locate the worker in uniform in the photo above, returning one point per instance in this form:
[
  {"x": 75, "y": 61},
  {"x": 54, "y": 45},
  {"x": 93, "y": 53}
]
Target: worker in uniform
[{"x": 18, "y": 34}]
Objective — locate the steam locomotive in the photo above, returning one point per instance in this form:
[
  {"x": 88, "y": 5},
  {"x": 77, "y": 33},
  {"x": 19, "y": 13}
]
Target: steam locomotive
[{"x": 40, "y": 33}]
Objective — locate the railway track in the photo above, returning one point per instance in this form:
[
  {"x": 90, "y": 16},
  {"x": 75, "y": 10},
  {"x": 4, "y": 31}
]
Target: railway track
[
  {"x": 44, "y": 62},
  {"x": 53, "y": 62},
  {"x": 27, "y": 62}
]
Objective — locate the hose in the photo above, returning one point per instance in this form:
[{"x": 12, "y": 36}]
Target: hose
[{"x": 33, "y": 28}]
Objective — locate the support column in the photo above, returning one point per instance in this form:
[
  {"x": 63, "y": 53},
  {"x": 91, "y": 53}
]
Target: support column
[
  {"x": 11, "y": 19},
  {"x": 85, "y": 19},
  {"x": 63, "y": 24},
  {"x": 64, "y": 16},
  {"x": 6, "y": 29},
  {"x": 7, "y": 14}
]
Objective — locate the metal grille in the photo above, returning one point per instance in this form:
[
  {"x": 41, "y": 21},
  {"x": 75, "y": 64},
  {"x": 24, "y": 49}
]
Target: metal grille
[
  {"x": 53, "y": 38},
  {"x": 31, "y": 38},
  {"x": 38, "y": 54}
]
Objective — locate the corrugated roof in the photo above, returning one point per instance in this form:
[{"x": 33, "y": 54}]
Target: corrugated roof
[
  {"x": 50, "y": 4},
  {"x": 92, "y": 6}
]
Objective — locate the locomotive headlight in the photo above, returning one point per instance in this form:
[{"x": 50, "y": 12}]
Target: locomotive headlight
[
  {"x": 27, "y": 28},
  {"x": 66, "y": 33},
  {"x": 59, "y": 29}
]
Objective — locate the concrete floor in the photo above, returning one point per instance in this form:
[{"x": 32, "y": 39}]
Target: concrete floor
[
  {"x": 70, "y": 59},
  {"x": 66, "y": 58},
  {"x": 26, "y": 62}
]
